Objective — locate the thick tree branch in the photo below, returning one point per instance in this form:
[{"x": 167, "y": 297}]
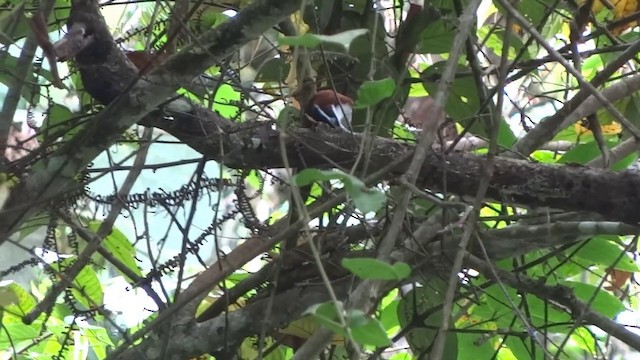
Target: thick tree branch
[{"x": 576, "y": 188}]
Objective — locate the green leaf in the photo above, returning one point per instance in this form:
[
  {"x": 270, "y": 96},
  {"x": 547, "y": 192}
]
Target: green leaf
[
  {"x": 632, "y": 109},
  {"x": 33, "y": 224},
  {"x": 534, "y": 11},
  {"x": 273, "y": 70},
  {"x": 119, "y": 246},
  {"x": 10, "y": 21},
  {"x": 86, "y": 287},
  {"x": 14, "y": 23},
  {"x": 583, "y": 153},
  {"x": 603, "y": 302},
  {"x": 437, "y": 38},
  {"x": 604, "y": 252},
  {"x": 389, "y": 315},
  {"x": 364, "y": 330},
  {"x": 16, "y": 302},
  {"x": 211, "y": 18},
  {"x": 368, "y": 268},
  {"x": 543, "y": 313},
  {"x": 224, "y": 100},
  {"x": 496, "y": 307},
  {"x": 310, "y": 40},
  {"x": 424, "y": 304},
  {"x": 30, "y": 92},
  {"x": 463, "y": 103},
  {"x": 254, "y": 179},
  {"x": 494, "y": 41},
  {"x": 98, "y": 339},
  {"x": 401, "y": 356},
  {"x": 15, "y": 333},
  {"x": 288, "y": 118},
  {"x": 61, "y": 120},
  {"x": 370, "y": 332},
  {"x": 327, "y": 315},
  {"x": 365, "y": 199},
  {"x": 476, "y": 346},
  {"x": 585, "y": 340},
  {"x": 522, "y": 348},
  {"x": 372, "y": 92}
]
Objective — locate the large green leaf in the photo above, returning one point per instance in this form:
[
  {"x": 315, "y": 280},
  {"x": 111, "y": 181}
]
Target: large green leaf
[
  {"x": 368, "y": 268},
  {"x": 33, "y": 224},
  {"x": 475, "y": 346},
  {"x": 225, "y": 101},
  {"x": 583, "y": 153},
  {"x": 604, "y": 252},
  {"x": 372, "y": 92},
  {"x": 543, "y": 313},
  {"x": 86, "y": 286},
  {"x": 463, "y": 103},
  {"x": 15, "y": 302},
  {"x": 16, "y": 334},
  {"x": 418, "y": 302},
  {"x": 119, "y": 246},
  {"x": 521, "y": 348},
  {"x": 437, "y": 38},
  {"x": 598, "y": 299}
]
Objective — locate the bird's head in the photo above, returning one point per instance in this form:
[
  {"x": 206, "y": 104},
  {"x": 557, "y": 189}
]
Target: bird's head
[{"x": 331, "y": 108}]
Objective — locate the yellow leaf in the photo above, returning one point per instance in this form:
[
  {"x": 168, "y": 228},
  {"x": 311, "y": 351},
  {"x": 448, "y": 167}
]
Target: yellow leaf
[
  {"x": 607, "y": 129},
  {"x": 305, "y": 327}
]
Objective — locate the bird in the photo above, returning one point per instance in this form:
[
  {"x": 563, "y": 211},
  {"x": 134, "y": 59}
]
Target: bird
[
  {"x": 331, "y": 108},
  {"x": 146, "y": 61}
]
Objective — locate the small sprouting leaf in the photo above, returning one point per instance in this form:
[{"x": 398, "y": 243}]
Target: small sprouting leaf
[
  {"x": 312, "y": 40},
  {"x": 368, "y": 268}
]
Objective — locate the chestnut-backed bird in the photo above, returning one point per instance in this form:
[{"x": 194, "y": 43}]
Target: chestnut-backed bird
[{"x": 331, "y": 108}]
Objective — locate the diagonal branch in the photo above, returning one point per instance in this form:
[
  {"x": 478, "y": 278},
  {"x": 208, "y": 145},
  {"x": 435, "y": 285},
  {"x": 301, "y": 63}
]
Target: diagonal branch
[
  {"x": 560, "y": 295},
  {"x": 194, "y": 340}
]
